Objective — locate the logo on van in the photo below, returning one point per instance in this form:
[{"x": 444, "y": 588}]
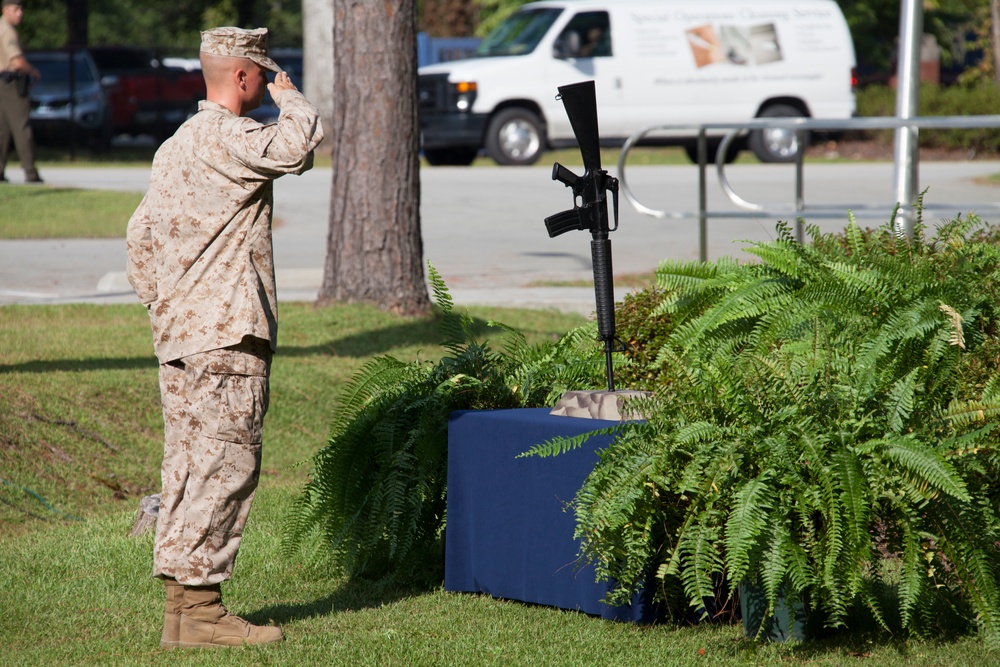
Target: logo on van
[{"x": 733, "y": 44}]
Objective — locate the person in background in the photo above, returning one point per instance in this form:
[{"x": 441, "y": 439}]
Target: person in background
[
  {"x": 200, "y": 259},
  {"x": 16, "y": 75}
]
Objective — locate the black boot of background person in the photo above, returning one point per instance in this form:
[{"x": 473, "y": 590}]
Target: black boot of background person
[{"x": 32, "y": 177}]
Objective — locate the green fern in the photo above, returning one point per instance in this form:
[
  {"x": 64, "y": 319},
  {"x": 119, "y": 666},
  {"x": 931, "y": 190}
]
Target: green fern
[{"x": 831, "y": 391}]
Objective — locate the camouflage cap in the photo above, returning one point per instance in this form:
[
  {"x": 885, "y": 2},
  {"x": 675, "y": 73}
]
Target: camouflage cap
[
  {"x": 19, "y": 3},
  {"x": 239, "y": 43}
]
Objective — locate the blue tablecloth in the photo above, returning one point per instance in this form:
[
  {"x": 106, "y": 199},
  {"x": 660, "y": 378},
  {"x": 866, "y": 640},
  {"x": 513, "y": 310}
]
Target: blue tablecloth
[{"x": 509, "y": 534}]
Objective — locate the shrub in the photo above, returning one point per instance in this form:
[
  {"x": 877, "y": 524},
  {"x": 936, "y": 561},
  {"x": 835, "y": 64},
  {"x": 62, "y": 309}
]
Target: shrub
[
  {"x": 827, "y": 427},
  {"x": 641, "y": 334},
  {"x": 981, "y": 98}
]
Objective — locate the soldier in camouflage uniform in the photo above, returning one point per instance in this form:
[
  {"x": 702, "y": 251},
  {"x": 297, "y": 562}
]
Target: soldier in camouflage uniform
[{"x": 200, "y": 259}]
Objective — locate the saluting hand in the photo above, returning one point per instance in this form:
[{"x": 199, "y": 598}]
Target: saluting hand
[{"x": 281, "y": 82}]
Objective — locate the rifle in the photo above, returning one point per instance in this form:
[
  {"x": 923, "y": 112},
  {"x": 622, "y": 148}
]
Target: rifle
[{"x": 590, "y": 207}]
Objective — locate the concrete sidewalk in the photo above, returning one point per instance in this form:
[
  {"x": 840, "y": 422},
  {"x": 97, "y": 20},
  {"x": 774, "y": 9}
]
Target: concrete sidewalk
[{"x": 483, "y": 228}]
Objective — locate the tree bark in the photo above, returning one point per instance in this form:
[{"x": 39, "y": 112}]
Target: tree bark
[{"x": 374, "y": 248}]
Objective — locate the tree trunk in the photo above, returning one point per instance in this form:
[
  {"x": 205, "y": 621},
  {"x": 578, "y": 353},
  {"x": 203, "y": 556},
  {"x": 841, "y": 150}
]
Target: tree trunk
[{"x": 374, "y": 249}]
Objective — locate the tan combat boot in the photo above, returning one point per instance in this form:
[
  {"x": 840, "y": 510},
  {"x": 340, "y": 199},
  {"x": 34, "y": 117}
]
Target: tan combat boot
[
  {"x": 172, "y": 613},
  {"x": 205, "y": 622}
]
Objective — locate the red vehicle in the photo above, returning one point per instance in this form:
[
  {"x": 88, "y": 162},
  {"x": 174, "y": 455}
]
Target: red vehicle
[{"x": 146, "y": 96}]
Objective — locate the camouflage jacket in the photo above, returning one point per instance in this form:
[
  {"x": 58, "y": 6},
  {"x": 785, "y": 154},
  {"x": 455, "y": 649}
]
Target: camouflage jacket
[{"x": 199, "y": 244}]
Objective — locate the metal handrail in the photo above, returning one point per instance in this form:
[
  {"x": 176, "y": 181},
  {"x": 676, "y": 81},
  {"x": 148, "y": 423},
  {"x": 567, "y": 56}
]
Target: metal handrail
[{"x": 800, "y": 126}]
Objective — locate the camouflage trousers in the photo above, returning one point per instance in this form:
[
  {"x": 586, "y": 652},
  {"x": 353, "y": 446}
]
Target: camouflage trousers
[{"x": 213, "y": 411}]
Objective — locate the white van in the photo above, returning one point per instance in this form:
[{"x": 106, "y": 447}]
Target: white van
[{"x": 653, "y": 63}]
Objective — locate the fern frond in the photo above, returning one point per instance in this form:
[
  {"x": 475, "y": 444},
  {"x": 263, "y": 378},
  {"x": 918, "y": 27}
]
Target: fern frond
[
  {"x": 860, "y": 280},
  {"x": 927, "y": 466},
  {"x": 956, "y": 337},
  {"x": 784, "y": 256},
  {"x": 899, "y": 402},
  {"x": 854, "y": 497},
  {"x": 774, "y": 565},
  {"x": 561, "y": 445},
  {"x": 746, "y": 522},
  {"x": 442, "y": 297},
  {"x": 965, "y": 413},
  {"x": 701, "y": 561}
]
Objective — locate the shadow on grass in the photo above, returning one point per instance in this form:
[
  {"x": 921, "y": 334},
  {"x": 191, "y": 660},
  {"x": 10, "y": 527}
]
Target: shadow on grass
[
  {"x": 16, "y": 191},
  {"x": 352, "y": 596},
  {"x": 424, "y": 334},
  {"x": 80, "y": 365}
]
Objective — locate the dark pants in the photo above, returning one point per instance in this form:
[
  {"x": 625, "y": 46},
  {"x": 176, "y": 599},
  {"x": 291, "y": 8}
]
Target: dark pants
[{"x": 14, "y": 110}]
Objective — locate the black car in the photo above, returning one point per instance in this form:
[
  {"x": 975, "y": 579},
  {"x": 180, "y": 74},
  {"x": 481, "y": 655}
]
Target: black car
[{"x": 68, "y": 104}]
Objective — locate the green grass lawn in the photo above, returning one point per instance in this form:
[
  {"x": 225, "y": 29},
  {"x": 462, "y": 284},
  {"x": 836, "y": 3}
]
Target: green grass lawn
[
  {"x": 49, "y": 212},
  {"x": 80, "y": 429}
]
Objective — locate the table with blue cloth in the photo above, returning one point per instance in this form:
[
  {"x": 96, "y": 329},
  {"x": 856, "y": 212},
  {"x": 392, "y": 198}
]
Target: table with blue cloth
[{"x": 509, "y": 532}]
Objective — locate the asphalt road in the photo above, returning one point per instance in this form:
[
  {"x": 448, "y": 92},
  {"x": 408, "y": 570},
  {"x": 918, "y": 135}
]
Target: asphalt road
[{"x": 483, "y": 227}]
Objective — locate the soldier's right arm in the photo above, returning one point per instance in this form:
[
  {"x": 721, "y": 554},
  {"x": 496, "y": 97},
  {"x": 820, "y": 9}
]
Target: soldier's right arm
[{"x": 284, "y": 147}]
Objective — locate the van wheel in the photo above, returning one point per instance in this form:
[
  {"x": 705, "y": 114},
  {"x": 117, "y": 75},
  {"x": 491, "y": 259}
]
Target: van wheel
[
  {"x": 777, "y": 144},
  {"x": 453, "y": 157},
  {"x": 713, "y": 148},
  {"x": 515, "y": 137}
]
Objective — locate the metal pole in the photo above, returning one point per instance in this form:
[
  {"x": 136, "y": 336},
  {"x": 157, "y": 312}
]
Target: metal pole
[
  {"x": 702, "y": 197},
  {"x": 907, "y": 160},
  {"x": 800, "y": 197}
]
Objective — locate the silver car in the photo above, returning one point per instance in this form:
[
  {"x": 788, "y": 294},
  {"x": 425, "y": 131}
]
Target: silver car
[{"x": 68, "y": 104}]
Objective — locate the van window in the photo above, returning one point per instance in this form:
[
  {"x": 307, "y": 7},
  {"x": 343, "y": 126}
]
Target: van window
[
  {"x": 518, "y": 34},
  {"x": 587, "y": 35}
]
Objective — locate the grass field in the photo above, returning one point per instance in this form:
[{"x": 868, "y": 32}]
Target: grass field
[
  {"x": 80, "y": 437},
  {"x": 27, "y": 212}
]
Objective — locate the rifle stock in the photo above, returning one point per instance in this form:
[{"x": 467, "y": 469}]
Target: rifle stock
[{"x": 580, "y": 101}]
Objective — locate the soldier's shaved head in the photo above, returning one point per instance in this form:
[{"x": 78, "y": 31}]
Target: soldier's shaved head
[{"x": 219, "y": 69}]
